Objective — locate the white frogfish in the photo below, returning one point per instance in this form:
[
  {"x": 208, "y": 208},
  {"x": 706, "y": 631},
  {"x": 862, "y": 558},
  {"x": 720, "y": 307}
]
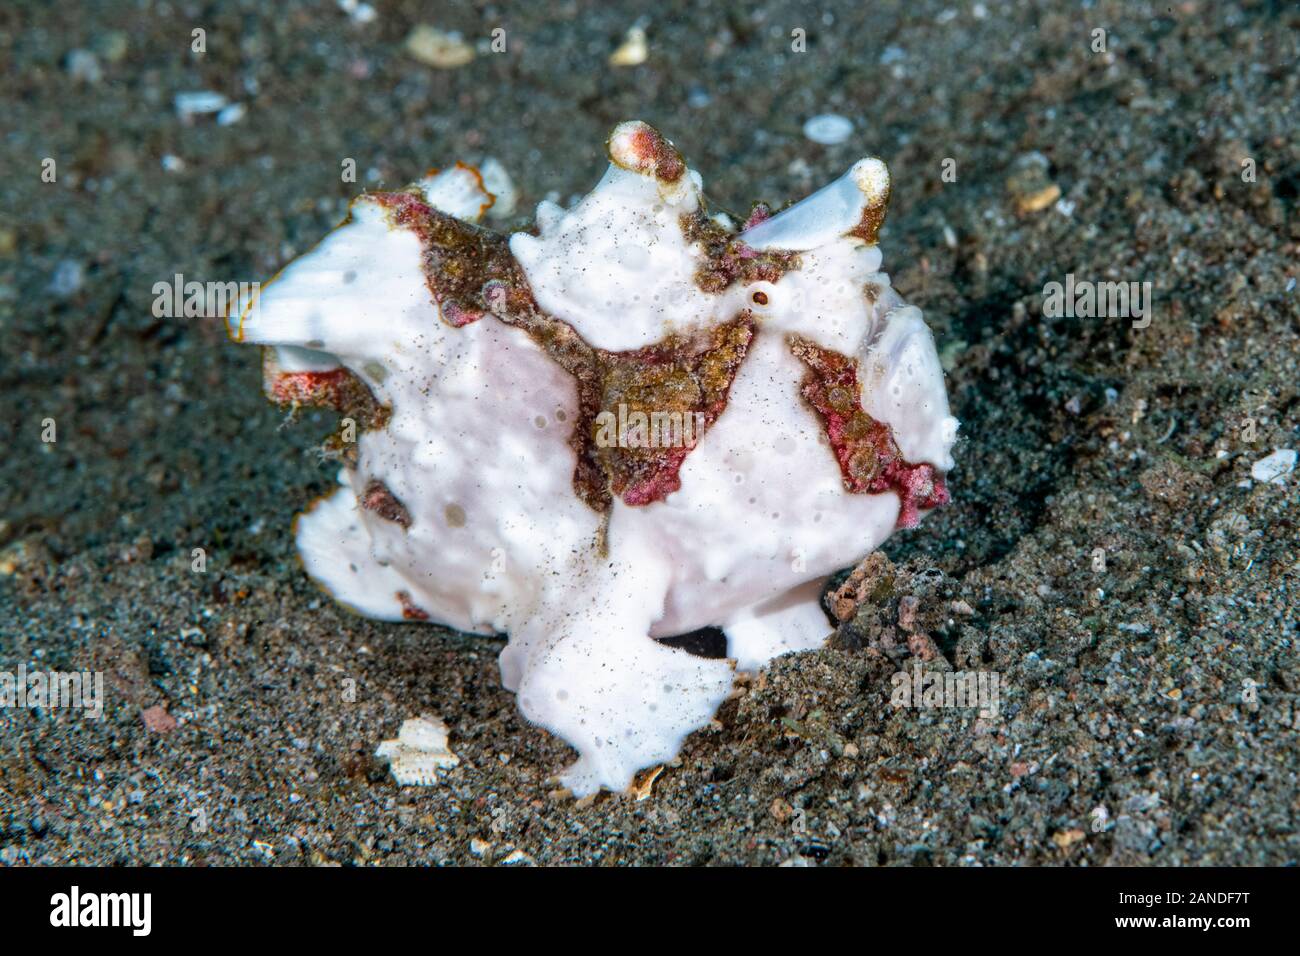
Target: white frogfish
[{"x": 634, "y": 420}]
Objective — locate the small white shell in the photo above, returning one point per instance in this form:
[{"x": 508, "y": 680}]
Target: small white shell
[
  {"x": 828, "y": 129},
  {"x": 419, "y": 752}
]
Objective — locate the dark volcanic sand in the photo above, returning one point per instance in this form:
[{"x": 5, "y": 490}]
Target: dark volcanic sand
[{"x": 1163, "y": 688}]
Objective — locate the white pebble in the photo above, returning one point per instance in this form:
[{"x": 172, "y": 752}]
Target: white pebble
[
  {"x": 1275, "y": 467},
  {"x": 442, "y": 49},
  {"x": 828, "y": 129},
  {"x": 84, "y": 66},
  {"x": 70, "y": 274},
  {"x": 199, "y": 103},
  {"x": 633, "y": 50},
  {"x": 232, "y": 114},
  {"x": 698, "y": 98},
  {"x": 360, "y": 13}
]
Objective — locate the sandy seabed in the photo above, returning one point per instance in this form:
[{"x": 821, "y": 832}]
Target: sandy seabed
[{"x": 1148, "y": 706}]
